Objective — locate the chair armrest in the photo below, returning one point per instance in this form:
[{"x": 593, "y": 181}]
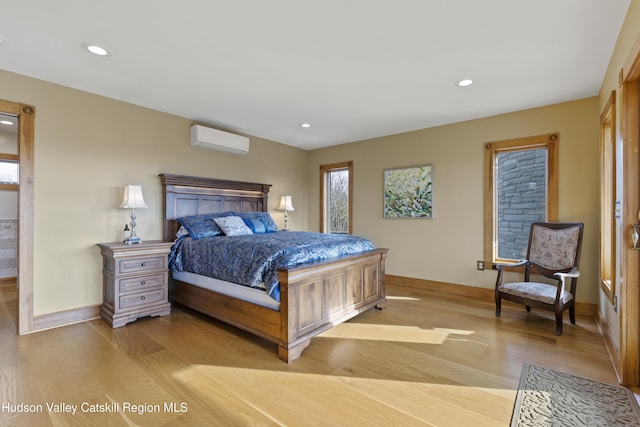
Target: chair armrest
[
  {"x": 501, "y": 265},
  {"x": 562, "y": 277}
]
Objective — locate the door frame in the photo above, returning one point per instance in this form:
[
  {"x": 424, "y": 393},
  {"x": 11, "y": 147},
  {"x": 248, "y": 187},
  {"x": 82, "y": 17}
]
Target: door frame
[
  {"x": 26, "y": 122},
  {"x": 629, "y": 294}
]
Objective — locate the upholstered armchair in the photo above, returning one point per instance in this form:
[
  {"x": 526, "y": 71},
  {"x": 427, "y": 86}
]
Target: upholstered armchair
[{"x": 553, "y": 252}]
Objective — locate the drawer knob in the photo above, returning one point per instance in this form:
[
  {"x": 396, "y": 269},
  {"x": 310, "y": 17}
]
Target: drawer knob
[
  {"x": 144, "y": 282},
  {"x": 143, "y": 298},
  {"x": 144, "y": 264}
]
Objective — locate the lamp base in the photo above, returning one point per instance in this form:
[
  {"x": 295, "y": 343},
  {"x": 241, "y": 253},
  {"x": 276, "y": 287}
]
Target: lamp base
[{"x": 133, "y": 240}]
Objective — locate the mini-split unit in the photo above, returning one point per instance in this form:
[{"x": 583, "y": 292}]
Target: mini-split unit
[{"x": 214, "y": 139}]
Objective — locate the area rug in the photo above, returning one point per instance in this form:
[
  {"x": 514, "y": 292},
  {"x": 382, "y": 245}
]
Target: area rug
[{"x": 551, "y": 398}]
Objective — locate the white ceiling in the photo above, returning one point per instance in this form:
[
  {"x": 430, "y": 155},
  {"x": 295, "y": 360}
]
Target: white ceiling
[{"x": 354, "y": 69}]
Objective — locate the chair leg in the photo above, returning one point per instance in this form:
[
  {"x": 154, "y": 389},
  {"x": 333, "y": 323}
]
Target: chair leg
[
  {"x": 528, "y": 309},
  {"x": 498, "y": 306},
  {"x": 558, "y": 323}
]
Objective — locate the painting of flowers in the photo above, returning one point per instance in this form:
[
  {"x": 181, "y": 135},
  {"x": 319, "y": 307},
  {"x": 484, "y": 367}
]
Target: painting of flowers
[{"x": 407, "y": 192}]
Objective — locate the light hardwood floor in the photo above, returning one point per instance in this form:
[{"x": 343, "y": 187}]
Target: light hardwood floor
[{"x": 426, "y": 360}]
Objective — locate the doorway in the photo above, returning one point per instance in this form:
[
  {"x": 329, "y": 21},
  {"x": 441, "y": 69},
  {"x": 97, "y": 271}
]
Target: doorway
[
  {"x": 630, "y": 292},
  {"x": 24, "y": 118},
  {"x": 8, "y": 221}
]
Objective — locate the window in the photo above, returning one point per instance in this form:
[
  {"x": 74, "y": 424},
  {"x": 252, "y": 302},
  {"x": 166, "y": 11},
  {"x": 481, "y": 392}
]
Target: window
[
  {"x": 521, "y": 187},
  {"x": 608, "y": 207},
  {"x": 336, "y": 198},
  {"x": 8, "y": 172}
]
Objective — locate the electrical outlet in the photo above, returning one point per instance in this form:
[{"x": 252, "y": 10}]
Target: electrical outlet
[{"x": 480, "y": 265}]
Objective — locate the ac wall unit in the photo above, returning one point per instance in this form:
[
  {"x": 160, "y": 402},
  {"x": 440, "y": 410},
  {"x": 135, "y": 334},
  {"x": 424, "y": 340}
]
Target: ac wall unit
[{"x": 214, "y": 139}]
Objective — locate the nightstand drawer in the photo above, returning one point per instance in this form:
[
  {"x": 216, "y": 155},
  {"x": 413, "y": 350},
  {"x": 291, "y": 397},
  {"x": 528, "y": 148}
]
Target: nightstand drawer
[
  {"x": 144, "y": 298},
  {"x": 132, "y": 265},
  {"x": 135, "y": 284}
]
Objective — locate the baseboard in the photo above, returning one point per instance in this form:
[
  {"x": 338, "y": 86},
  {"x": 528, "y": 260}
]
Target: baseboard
[
  {"x": 609, "y": 344},
  {"x": 467, "y": 291},
  {"x": 68, "y": 317},
  {"x": 442, "y": 287},
  {"x": 63, "y": 318}
]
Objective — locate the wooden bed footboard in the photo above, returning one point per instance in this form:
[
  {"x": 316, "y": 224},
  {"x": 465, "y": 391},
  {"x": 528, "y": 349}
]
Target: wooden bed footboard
[{"x": 315, "y": 297}]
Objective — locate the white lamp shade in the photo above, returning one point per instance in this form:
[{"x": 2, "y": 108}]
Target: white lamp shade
[
  {"x": 285, "y": 204},
  {"x": 133, "y": 197}
]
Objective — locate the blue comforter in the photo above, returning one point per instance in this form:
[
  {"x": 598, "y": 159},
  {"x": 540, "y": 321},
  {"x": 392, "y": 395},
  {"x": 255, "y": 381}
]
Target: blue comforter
[{"x": 253, "y": 260}]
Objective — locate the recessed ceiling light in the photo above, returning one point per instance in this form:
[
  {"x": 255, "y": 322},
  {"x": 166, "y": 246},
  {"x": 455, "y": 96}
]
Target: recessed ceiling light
[
  {"x": 464, "y": 82},
  {"x": 95, "y": 49},
  {"x": 6, "y": 122},
  {"x": 305, "y": 125}
]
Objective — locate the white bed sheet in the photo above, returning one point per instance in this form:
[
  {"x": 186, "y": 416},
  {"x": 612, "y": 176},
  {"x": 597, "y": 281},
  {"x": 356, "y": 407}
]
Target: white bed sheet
[{"x": 245, "y": 293}]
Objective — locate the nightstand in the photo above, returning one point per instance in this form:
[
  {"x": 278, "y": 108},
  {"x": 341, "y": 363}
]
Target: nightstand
[{"x": 135, "y": 280}]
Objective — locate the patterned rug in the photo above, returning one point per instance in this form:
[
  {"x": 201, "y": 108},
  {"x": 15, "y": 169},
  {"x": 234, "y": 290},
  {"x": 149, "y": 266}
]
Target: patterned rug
[{"x": 551, "y": 398}]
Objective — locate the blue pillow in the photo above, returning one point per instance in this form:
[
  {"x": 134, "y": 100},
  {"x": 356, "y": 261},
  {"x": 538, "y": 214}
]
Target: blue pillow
[
  {"x": 201, "y": 226},
  {"x": 265, "y": 217},
  {"x": 256, "y": 225}
]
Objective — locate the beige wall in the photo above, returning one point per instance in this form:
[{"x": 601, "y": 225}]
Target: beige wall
[
  {"x": 629, "y": 35},
  {"x": 87, "y": 148},
  {"x": 8, "y": 204},
  {"x": 8, "y": 139},
  {"x": 447, "y": 247}
]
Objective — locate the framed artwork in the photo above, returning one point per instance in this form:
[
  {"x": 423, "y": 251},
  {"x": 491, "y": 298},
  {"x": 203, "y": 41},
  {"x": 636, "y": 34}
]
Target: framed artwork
[{"x": 407, "y": 192}]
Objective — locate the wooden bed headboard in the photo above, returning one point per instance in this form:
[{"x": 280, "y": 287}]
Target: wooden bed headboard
[{"x": 190, "y": 195}]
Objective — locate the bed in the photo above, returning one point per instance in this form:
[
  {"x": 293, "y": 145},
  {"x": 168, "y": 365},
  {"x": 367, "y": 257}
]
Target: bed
[{"x": 313, "y": 297}]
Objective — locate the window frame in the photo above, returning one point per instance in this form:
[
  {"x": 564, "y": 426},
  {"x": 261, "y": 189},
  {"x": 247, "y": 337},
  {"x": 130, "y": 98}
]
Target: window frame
[
  {"x": 491, "y": 150},
  {"x": 324, "y": 172}
]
